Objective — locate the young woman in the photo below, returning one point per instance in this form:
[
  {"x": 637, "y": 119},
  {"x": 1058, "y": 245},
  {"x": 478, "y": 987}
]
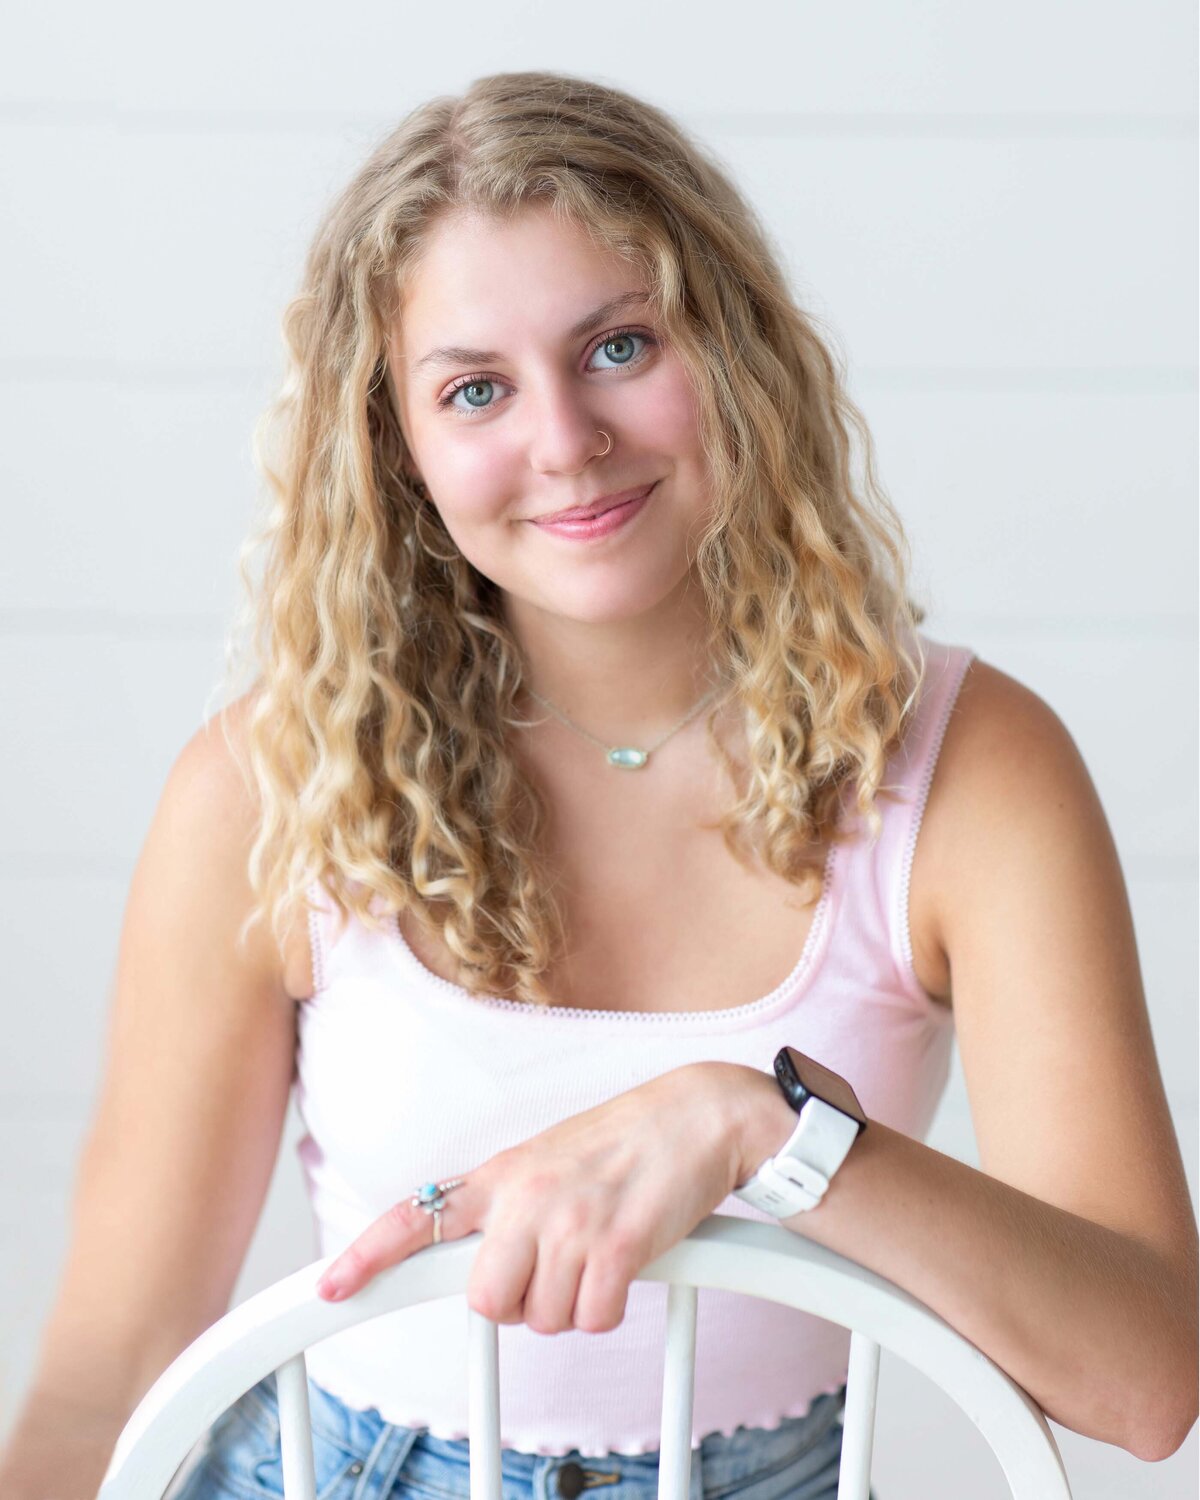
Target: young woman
[{"x": 590, "y": 741}]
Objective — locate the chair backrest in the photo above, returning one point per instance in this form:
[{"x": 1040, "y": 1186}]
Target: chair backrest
[{"x": 271, "y": 1331}]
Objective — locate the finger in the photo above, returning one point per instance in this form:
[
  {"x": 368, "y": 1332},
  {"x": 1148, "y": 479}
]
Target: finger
[
  {"x": 500, "y": 1275},
  {"x": 603, "y": 1293},
  {"x": 389, "y": 1240},
  {"x": 395, "y": 1235},
  {"x": 554, "y": 1285}
]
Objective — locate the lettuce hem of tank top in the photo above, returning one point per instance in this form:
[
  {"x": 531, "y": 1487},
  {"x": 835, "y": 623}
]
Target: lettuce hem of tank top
[
  {"x": 518, "y": 1444},
  {"x": 902, "y": 921},
  {"x": 788, "y": 991}
]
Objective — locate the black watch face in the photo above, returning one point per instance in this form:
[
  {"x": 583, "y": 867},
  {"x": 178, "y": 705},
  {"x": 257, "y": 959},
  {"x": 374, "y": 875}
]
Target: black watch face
[{"x": 803, "y": 1078}]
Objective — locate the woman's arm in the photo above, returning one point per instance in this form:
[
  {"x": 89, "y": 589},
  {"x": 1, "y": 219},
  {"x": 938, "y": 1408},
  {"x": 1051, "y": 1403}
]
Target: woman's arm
[
  {"x": 1097, "y": 1326},
  {"x": 1071, "y": 1257},
  {"x": 180, "y": 1154}
]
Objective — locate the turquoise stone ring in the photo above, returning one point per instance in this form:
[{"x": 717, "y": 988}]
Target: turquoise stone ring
[{"x": 431, "y": 1196}]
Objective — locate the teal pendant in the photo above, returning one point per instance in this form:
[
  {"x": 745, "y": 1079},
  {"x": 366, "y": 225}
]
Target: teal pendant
[{"x": 628, "y": 759}]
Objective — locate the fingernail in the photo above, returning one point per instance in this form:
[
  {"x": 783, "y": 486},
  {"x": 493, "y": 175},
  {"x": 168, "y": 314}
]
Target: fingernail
[{"x": 331, "y": 1286}]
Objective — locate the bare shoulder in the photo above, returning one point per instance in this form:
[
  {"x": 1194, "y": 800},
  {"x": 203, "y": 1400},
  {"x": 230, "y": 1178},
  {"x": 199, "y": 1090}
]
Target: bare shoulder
[
  {"x": 214, "y": 765},
  {"x": 216, "y": 755},
  {"x": 1032, "y": 910},
  {"x": 1005, "y": 751}
]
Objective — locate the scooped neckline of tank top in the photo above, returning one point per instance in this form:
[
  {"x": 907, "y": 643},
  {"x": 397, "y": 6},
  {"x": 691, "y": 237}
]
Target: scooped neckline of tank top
[{"x": 526, "y": 1007}]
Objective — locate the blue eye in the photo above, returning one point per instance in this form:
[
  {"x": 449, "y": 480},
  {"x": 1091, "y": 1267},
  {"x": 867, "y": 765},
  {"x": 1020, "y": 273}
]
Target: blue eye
[
  {"x": 478, "y": 386},
  {"x": 472, "y": 385},
  {"x": 621, "y": 338}
]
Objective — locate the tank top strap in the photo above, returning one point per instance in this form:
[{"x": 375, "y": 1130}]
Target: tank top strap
[
  {"x": 319, "y": 916},
  {"x": 342, "y": 944},
  {"x": 877, "y": 875}
]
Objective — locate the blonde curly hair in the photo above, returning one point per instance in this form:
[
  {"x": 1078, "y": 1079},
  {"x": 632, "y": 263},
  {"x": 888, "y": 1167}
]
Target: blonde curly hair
[{"x": 386, "y": 676}]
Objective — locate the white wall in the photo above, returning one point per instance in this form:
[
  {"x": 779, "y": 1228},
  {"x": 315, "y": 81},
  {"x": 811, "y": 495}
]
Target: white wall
[{"x": 993, "y": 208}]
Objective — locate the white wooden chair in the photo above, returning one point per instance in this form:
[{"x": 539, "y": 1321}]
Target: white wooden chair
[{"x": 271, "y": 1331}]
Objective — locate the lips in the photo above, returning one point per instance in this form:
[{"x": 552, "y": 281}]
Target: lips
[{"x": 596, "y": 507}]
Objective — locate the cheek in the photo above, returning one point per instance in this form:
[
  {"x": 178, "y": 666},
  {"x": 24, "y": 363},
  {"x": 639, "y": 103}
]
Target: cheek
[
  {"x": 468, "y": 483},
  {"x": 474, "y": 499},
  {"x": 669, "y": 417}
]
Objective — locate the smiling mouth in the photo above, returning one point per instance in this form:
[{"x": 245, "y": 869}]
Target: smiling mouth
[{"x": 602, "y": 507}]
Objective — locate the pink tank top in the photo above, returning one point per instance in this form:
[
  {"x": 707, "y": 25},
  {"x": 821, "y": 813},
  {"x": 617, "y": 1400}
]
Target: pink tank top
[{"x": 404, "y": 1077}]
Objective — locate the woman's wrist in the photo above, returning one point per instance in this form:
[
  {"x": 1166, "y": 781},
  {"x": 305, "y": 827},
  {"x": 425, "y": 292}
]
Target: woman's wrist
[{"x": 763, "y": 1119}]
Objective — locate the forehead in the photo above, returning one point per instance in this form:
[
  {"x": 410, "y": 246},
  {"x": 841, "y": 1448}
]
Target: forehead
[{"x": 488, "y": 282}]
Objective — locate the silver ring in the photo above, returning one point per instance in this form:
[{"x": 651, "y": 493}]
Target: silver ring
[{"x": 431, "y": 1196}]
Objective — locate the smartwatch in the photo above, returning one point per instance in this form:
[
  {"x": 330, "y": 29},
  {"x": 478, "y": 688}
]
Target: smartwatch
[{"x": 830, "y": 1119}]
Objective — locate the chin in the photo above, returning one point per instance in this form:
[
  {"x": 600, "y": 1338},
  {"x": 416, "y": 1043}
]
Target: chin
[{"x": 612, "y": 602}]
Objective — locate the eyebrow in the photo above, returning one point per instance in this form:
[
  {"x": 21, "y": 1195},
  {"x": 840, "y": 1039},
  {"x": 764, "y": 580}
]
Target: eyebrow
[{"x": 457, "y": 354}]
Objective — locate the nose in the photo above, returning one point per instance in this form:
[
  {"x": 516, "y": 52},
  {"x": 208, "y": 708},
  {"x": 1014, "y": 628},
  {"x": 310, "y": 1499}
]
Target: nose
[{"x": 565, "y": 430}]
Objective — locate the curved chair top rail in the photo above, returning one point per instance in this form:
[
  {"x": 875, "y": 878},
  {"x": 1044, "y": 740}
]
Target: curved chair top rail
[{"x": 722, "y": 1253}]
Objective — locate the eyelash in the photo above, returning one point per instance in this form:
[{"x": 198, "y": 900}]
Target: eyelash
[{"x": 465, "y": 380}]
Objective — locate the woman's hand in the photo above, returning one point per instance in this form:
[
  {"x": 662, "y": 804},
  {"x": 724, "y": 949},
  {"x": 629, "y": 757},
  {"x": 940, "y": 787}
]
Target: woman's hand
[{"x": 571, "y": 1216}]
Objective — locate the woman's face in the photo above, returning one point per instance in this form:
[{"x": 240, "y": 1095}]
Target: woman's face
[{"x": 503, "y": 437}]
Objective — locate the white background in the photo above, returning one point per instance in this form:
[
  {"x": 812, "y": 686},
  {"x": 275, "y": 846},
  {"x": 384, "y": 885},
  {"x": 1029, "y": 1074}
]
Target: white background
[{"x": 993, "y": 210}]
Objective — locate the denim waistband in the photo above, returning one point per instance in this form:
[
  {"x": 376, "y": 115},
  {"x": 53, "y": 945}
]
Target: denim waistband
[{"x": 360, "y": 1456}]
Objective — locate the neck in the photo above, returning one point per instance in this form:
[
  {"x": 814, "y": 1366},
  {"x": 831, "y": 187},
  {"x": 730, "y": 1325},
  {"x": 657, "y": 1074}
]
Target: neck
[{"x": 625, "y": 681}]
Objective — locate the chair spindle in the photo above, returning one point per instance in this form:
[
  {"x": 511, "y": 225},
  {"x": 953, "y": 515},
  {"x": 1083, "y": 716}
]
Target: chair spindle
[
  {"x": 295, "y": 1429},
  {"x": 858, "y": 1432}
]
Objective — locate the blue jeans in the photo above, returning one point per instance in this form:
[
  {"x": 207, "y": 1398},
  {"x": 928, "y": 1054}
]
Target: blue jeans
[{"x": 359, "y": 1456}]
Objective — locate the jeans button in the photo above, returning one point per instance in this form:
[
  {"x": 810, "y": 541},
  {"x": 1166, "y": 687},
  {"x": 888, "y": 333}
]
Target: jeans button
[{"x": 570, "y": 1481}]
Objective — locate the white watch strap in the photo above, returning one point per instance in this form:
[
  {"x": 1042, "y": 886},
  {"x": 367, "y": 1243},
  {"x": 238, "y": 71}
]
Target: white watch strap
[{"x": 796, "y": 1177}]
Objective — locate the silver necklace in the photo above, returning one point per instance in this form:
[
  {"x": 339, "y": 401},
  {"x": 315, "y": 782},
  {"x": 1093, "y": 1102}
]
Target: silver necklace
[{"x": 626, "y": 757}]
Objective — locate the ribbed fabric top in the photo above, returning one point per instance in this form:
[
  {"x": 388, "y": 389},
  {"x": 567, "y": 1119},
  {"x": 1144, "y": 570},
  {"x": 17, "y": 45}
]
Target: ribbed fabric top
[{"x": 404, "y": 1077}]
